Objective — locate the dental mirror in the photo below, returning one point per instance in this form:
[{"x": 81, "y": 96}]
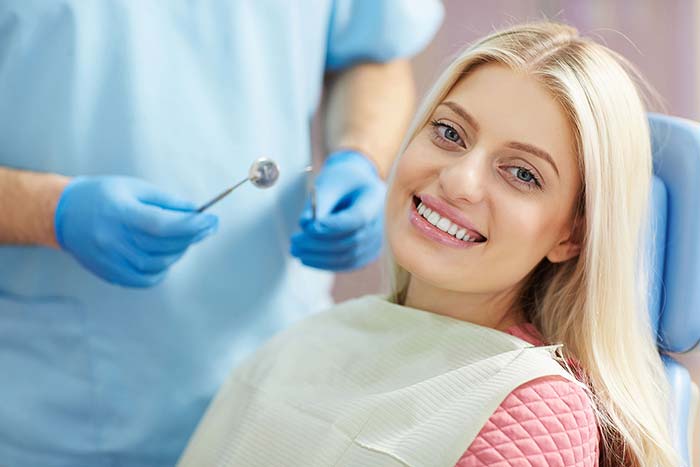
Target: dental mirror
[{"x": 263, "y": 173}]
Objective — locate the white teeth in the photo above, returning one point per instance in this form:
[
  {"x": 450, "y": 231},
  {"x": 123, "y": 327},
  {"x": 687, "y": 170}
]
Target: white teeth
[{"x": 444, "y": 224}]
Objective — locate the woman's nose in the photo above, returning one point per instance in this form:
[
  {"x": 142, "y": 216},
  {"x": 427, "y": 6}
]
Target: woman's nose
[{"x": 465, "y": 178}]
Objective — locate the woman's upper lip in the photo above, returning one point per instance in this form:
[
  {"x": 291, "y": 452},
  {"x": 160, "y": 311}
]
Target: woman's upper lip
[{"x": 442, "y": 207}]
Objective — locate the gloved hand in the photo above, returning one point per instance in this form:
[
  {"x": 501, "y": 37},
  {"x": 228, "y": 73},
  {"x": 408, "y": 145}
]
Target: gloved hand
[
  {"x": 125, "y": 230},
  {"x": 347, "y": 233}
]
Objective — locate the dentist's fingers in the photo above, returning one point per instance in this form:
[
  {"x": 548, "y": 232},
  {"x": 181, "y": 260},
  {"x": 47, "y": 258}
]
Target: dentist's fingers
[
  {"x": 159, "y": 222},
  {"x": 167, "y": 245},
  {"x": 305, "y": 242},
  {"x": 144, "y": 263},
  {"x": 349, "y": 260},
  {"x": 117, "y": 270}
]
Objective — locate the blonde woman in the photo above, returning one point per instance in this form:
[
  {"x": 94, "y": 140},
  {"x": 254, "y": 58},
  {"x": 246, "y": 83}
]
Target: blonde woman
[{"x": 514, "y": 333}]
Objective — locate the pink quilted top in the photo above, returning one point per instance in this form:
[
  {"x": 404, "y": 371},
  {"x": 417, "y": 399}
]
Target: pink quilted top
[{"x": 545, "y": 422}]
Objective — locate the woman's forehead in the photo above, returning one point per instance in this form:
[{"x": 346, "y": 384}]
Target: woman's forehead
[{"x": 511, "y": 103}]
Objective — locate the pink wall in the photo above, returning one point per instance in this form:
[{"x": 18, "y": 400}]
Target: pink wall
[{"x": 662, "y": 37}]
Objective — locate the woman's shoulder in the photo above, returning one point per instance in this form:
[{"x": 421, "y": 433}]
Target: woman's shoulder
[{"x": 548, "y": 421}]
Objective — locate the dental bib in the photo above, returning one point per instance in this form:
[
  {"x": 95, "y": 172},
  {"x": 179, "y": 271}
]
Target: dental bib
[{"x": 367, "y": 383}]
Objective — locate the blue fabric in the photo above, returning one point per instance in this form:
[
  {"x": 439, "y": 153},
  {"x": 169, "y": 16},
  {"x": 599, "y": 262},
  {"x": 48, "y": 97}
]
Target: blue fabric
[
  {"x": 369, "y": 30},
  {"x": 183, "y": 95},
  {"x": 347, "y": 231}
]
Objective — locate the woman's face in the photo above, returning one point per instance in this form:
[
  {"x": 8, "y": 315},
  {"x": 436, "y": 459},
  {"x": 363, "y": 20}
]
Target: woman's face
[{"x": 486, "y": 189}]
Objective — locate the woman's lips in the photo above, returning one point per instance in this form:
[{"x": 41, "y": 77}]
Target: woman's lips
[
  {"x": 430, "y": 231},
  {"x": 453, "y": 214}
]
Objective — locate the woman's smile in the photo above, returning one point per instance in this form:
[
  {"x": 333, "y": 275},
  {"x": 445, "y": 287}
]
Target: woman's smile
[{"x": 439, "y": 222}]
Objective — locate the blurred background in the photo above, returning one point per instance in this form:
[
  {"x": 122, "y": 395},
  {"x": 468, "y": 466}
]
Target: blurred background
[{"x": 661, "y": 37}]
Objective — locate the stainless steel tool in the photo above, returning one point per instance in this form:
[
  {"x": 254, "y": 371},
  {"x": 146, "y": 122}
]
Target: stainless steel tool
[
  {"x": 311, "y": 189},
  {"x": 263, "y": 173}
]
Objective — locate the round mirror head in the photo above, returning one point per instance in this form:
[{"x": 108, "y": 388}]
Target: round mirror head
[{"x": 264, "y": 173}]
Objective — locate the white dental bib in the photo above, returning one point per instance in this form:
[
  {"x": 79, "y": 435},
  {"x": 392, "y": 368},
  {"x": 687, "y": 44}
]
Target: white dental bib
[{"x": 367, "y": 383}]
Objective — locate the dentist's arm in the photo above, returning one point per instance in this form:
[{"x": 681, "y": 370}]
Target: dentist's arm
[
  {"x": 27, "y": 204},
  {"x": 369, "y": 107},
  {"x": 122, "y": 229}
]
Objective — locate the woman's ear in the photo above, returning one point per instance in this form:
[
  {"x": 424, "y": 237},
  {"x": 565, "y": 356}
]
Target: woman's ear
[
  {"x": 564, "y": 250},
  {"x": 569, "y": 246}
]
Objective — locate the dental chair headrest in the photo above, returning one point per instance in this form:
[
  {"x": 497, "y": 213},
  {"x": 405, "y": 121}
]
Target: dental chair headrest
[{"x": 675, "y": 223}]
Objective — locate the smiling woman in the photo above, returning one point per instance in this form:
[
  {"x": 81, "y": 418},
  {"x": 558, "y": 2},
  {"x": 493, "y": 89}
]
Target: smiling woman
[
  {"x": 485, "y": 162},
  {"x": 537, "y": 139},
  {"x": 511, "y": 334}
]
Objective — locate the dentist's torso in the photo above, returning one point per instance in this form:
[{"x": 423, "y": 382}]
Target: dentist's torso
[{"x": 184, "y": 95}]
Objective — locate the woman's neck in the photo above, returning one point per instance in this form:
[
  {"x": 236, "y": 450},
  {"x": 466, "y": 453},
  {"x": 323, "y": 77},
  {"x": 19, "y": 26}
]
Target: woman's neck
[{"x": 496, "y": 310}]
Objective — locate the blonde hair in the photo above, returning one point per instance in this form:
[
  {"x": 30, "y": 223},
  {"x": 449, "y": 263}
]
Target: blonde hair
[{"x": 592, "y": 303}]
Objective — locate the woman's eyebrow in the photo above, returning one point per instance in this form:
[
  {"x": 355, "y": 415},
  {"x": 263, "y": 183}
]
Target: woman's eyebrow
[
  {"x": 535, "y": 151},
  {"x": 459, "y": 110}
]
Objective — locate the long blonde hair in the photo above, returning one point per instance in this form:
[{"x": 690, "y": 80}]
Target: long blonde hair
[{"x": 593, "y": 303}]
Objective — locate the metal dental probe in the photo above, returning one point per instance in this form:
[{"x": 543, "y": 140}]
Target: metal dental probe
[{"x": 311, "y": 188}]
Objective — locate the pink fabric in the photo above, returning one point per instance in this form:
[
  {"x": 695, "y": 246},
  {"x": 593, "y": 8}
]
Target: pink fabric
[{"x": 545, "y": 422}]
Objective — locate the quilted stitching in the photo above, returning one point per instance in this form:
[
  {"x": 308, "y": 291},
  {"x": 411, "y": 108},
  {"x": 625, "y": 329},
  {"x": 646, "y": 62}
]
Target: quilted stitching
[{"x": 545, "y": 422}]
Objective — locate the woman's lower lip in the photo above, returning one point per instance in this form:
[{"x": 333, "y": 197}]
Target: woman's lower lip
[{"x": 430, "y": 231}]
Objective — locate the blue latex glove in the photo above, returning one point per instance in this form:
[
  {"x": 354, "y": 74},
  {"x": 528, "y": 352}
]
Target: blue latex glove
[
  {"x": 125, "y": 230},
  {"x": 347, "y": 233}
]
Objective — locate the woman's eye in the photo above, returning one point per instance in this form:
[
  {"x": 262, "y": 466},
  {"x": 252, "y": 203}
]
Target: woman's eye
[
  {"x": 446, "y": 132},
  {"x": 524, "y": 176},
  {"x": 451, "y": 134}
]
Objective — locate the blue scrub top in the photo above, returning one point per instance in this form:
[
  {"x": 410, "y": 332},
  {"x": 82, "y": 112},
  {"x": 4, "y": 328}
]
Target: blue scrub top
[{"x": 183, "y": 94}]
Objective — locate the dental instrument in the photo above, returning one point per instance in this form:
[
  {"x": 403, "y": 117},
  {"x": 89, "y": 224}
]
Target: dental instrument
[
  {"x": 311, "y": 188},
  {"x": 263, "y": 173}
]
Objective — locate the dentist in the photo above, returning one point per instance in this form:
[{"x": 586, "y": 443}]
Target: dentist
[{"x": 117, "y": 119}]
